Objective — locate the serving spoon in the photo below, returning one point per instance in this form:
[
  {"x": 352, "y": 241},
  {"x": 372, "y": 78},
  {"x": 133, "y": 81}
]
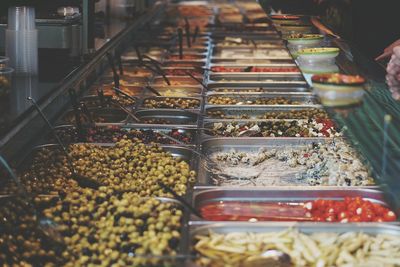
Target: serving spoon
[{"x": 81, "y": 179}]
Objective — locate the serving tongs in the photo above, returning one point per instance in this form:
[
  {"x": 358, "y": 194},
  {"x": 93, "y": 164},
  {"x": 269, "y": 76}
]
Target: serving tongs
[
  {"x": 75, "y": 106},
  {"x": 157, "y": 65},
  {"x": 187, "y": 32},
  {"x": 82, "y": 180},
  {"x": 201, "y": 155}
]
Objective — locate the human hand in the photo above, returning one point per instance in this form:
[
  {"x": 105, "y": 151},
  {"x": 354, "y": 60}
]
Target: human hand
[
  {"x": 388, "y": 51},
  {"x": 393, "y": 73}
]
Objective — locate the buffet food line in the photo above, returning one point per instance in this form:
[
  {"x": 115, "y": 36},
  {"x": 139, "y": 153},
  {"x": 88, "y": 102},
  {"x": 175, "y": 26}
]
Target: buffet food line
[{"x": 210, "y": 106}]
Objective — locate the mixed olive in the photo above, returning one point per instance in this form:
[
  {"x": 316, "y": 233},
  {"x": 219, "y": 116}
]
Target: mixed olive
[
  {"x": 172, "y": 103},
  {"x": 22, "y": 243},
  {"x": 276, "y": 128},
  {"x": 313, "y": 113},
  {"x": 226, "y": 100},
  {"x": 104, "y": 227},
  {"x": 112, "y": 134}
]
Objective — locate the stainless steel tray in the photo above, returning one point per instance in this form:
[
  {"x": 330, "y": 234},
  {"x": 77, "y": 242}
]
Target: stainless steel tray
[
  {"x": 108, "y": 114},
  {"x": 251, "y": 62},
  {"x": 192, "y": 132},
  {"x": 162, "y": 98},
  {"x": 265, "y": 83},
  {"x": 303, "y": 99},
  {"x": 199, "y": 228},
  {"x": 254, "y": 145},
  {"x": 181, "y": 91},
  {"x": 254, "y": 112},
  {"x": 254, "y": 90},
  {"x": 169, "y": 116},
  {"x": 201, "y": 197},
  {"x": 261, "y": 65},
  {"x": 180, "y": 64},
  {"x": 175, "y": 81},
  {"x": 258, "y": 77}
]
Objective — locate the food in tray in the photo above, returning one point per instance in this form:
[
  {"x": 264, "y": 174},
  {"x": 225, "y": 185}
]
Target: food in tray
[
  {"x": 105, "y": 115},
  {"x": 177, "y": 81},
  {"x": 233, "y": 90},
  {"x": 254, "y": 53},
  {"x": 351, "y": 209},
  {"x": 285, "y": 17},
  {"x": 226, "y": 100},
  {"x": 102, "y": 227},
  {"x": 109, "y": 90},
  {"x": 195, "y": 10},
  {"x": 313, "y": 113},
  {"x": 254, "y": 69},
  {"x": 46, "y": 174},
  {"x": 276, "y": 128},
  {"x": 334, "y": 249},
  {"x": 172, "y": 102},
  {"x": 320, "y": 53},
  {"x": 339, "y": 89},
  {"x": 333, "y": 163},
  {"x": 132, "y": 72},
  {"x": 183, "y": 72},
  {"x": 186, "y": 57},
  {"x": 22, "y": 242},
  {"x": 139, "y": 81},
  {"x": 179, "y": 92},
  {"x": 113, "y": 101},
  {"x": 141, "y": 179},
  {"x": 112, "y": 134},
  {"x": 246, "y": 44},
  {"x": 305, "y": 39}
]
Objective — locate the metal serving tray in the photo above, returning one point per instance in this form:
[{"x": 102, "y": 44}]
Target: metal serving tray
[
  {"x": 108, "y": 114},
  {"x": 253, "y": 113},
  {"x": 250, "y": 54},
  {"x": 175, "y": 81},
  {"x": 180, "y": 64},
  {"x": 253, "y": 145},
  {"x": 272, "y": 44},
  {"x": 209, "y": 125},
  {"x": 261, "y": 65},
  {"x": 182, "y": 152},
  {"x": 161, "y": 98},
  {"x": 201, "y": 197},
  {"x": 181, "y": 91},
  {"x": 93, "y": 101},
  {"x": 178, "y": 117},
  {"x": 249, "y": 61},
  {"x": 199, "y": 70},
  {"x": 258, "y": 77},
  {"x": 126, "y": 127},
  {"x": 255, "y": 90},
  {"x": 200, "y": 228},
  {"x": 304, "y": 99},
  {"x": 263, "y": 83}
]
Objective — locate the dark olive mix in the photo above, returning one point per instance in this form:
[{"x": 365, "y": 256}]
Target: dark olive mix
[
  {"x": 225, "y": 100},
  {"x": 172, "y": 103},
  {"x": 290, "y": 114},
  {"x": 21, "y": 241},
  {"x": 276, "y": 128},
  {"x": 112, "y": 134}
]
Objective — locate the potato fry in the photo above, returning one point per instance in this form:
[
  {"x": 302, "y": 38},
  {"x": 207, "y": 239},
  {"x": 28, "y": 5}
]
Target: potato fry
[{"x": 318, "y": 249}]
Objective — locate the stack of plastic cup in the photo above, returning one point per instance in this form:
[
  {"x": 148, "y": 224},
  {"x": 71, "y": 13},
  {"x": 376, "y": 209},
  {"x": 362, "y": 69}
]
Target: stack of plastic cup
[{"x": 22, "y": 40}]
